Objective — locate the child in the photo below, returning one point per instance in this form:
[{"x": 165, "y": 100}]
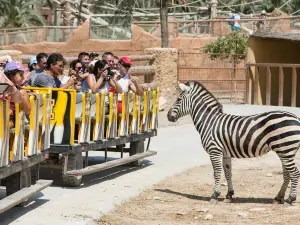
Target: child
[{"x": 15, "y": 73}]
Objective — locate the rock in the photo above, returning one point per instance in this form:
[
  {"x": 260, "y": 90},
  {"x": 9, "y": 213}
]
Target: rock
[
  {"x": 257, "y": 209},
  {"x": 242, "y": 214},
  {"x": 196, "y": 217},
  {"x": 202, "y": 210},
  {"x": 208, "y": 217},
  {"x": 224, "y": 184},
  {"x": 162, "y": 103},
  {"x": 156, "y": 198},
  {"x": 269, "y": 175},
  {"x": 180, "y": 214}
]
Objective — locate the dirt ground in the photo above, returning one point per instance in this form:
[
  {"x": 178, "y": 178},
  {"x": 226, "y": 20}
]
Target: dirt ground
[{"x": 184, "y": 198}]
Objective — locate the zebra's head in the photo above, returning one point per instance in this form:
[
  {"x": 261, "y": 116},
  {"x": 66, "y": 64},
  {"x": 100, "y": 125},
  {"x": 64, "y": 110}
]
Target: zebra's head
[{"x": 182, "y": 105}]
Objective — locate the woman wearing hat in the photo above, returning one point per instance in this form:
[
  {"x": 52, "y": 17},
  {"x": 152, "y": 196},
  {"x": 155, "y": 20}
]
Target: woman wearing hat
[
  {"x": 127, "y": 82},
  {"x": 14, "y": 71}
]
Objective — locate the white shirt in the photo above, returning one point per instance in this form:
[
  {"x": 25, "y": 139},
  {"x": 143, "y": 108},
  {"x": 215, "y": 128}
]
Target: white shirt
[{"x": 124, "y": 83}]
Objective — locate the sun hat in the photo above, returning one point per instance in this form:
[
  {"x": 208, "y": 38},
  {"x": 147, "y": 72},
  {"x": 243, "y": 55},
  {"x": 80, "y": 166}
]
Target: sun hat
[
  {"x": 13, "y": 65},
  {"x": 33, "y": 60}
]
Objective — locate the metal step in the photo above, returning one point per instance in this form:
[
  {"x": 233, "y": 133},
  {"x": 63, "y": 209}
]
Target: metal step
[
  {"x": 110, "y": 164},
  {"x": 23, "y": 195}
]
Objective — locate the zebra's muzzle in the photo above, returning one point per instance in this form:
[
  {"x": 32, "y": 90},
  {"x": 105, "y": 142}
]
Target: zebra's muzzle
[{"x": 171, "y": 118}]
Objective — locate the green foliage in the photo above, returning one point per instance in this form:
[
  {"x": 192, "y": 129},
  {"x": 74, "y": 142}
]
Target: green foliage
[
  {"x": 20, "y": 13},
  {"x": 234, "y": 43}
]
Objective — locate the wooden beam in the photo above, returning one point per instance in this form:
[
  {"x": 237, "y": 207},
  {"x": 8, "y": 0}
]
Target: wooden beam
[
  {"x": 256, "y": 84},
  {"x": 142, "y": 70},
  {"x": 20, "y": 165},
  {"x": 22, "y": 195},
  {"x": 142, "y": 57},
  {"x": 294, "y": 87},
  {"x": 281, "y": 84},
  {"x": 268, "y": 86},
  {"x": 110, "y": 164}
]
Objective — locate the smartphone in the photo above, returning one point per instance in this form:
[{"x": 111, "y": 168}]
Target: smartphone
[{"x": 3, "y": 87}]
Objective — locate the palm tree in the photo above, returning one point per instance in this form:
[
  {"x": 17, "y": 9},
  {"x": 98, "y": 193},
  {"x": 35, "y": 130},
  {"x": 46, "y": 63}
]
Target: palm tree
[{"x": 20, "y": 13}]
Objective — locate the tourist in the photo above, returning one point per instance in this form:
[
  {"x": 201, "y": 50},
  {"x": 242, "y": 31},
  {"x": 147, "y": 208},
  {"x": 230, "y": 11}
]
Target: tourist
[
  {"x": 116, "y": 63},
  {"x": 84, "y": 58},
  {"x": 41, "y": 60},
  {"x": 55, "y": 66},
  {"x": 109, "y": 58},
  {"x": 235, "y": 26},
  {"x": 14, "y": 71},
  {"x": 93, "y": 56},
  {"x": 32, "y": 65},
  {"x": 127, "y": 82},
  {"x": 102, "y": 79}
]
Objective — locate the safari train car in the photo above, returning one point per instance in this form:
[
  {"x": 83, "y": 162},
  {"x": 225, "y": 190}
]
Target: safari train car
[
  {"x": 80, "y": 123},
  {"x": 22, "y": 148}
]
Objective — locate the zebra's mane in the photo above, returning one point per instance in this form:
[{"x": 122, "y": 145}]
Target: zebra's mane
[{"x": 197, "y": 83}]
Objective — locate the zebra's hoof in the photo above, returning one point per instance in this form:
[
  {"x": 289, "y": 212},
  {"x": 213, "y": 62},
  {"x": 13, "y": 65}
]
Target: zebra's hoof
[
  {"x": 227, "y": 200},
  {"x": 288, "y": 202},
  {"x": 213, "y": 201},
  {"x": 278, "y": 201}
]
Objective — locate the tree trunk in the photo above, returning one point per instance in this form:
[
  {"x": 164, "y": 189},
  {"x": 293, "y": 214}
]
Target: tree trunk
[
  {"x": 164, "y": 23},
  {"x": 67, "y": 19}
]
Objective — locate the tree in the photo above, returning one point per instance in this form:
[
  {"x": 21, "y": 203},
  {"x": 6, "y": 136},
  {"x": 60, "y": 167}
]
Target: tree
[
  {"x": 20, "y": 13},
  {"x": 233, "y": 47},
  {"x": 236, "y": 43},
  {"x": 164, "y": 23}
]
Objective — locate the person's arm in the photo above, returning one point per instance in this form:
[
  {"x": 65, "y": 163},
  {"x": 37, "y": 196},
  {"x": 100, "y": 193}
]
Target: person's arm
[
  {"x": 69, "y": 83},
  {"x": 99, "y": 83},
  {"x": 117, "y": 87},
  {"x": 135, "y": 87},
  {"x": 15, "y": 94},
  {"x": 25, "y": 101}
]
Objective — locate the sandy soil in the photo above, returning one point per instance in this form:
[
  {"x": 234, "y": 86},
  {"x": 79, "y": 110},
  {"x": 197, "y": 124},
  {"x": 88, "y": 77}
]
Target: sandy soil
[{"x": 184, "y": 198}]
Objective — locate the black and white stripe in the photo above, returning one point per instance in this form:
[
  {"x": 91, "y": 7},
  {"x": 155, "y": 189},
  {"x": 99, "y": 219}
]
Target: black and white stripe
[{"x": 226, "y": 136}]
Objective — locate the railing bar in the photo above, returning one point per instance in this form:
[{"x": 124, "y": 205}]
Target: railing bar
[
  {"x": 268, "y": 86},
  {"x": 294, "y": 87},
  {"x": 281, "y": 79},
  {"x": 256, "y": 83}
]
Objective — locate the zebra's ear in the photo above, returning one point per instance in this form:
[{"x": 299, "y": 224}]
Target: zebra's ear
[{"x": 183, "y": 87}]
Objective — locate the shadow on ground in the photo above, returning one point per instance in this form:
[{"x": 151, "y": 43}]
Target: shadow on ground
[{"x": 207, "y": 199}]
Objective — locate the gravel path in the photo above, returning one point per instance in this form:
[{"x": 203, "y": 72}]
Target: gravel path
[{"x": 179, "y": 149}]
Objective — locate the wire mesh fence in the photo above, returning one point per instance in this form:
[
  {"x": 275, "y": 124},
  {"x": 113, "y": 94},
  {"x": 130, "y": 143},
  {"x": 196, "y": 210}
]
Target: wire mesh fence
[{"x": 223, "y": 76}]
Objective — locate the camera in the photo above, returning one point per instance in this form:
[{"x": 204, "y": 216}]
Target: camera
[{"x": 109, "y": 74}]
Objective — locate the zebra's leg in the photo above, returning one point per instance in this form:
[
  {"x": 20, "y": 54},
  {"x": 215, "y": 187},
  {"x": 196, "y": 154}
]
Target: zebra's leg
[
  {"x": 228, "y": 175},
  {"x": 294, "y": 174},
  {"x": 216, "y": 158},
  {"x": 286, "y": 179}
]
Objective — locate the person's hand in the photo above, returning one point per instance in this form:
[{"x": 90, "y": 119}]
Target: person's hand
[
  {"x": 83, "y": 76},
  {"x": 134, "y": 79},
  {"x": 72, "y": 80},
  {"x": 103, "y": 74}
]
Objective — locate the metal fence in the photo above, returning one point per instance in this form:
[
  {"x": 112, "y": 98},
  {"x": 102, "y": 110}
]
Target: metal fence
[
  {"x": 223, "y": 76},
  {"x": 104, "y": 27},
  {"x": 31, "y": 35},
  {"x": 221, "y": 27}
]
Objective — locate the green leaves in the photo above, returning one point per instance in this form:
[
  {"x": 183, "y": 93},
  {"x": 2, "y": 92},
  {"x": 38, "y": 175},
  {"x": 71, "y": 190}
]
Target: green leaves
[
  {"x": 235, "y": 43},
  {"x": 20, "y": 13}
]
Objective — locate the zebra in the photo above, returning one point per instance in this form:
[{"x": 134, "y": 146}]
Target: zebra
[{"x": 226, "y": 136}]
